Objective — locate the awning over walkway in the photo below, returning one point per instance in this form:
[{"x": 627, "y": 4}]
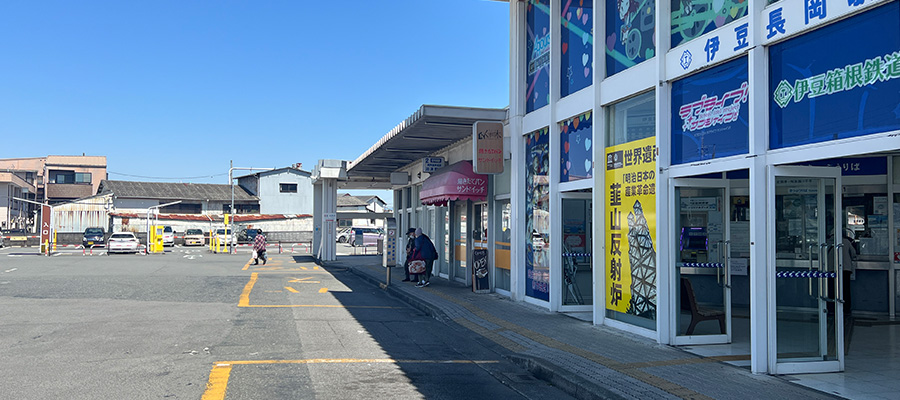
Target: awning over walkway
[
  {"x": 454, "y": 182},
  {"x": 428, "y": 130}
]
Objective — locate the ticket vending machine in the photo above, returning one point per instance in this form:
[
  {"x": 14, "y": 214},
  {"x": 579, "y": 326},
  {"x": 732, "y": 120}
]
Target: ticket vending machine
[{"x": 155, "y": 244}]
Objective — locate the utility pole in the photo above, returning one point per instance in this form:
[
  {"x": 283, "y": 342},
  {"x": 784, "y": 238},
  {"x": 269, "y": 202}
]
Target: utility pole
[{"x": 231, "y": 182}]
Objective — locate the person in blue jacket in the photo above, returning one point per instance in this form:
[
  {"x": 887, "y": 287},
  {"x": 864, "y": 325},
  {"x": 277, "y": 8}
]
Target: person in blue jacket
[{"x": 425, "y": 249}]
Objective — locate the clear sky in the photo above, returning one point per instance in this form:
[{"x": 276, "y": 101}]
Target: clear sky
[{"x": 176, "y": 89}]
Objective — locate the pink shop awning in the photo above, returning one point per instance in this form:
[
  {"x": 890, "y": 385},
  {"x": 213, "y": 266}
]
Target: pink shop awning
[{"x": 454, "y": 182}]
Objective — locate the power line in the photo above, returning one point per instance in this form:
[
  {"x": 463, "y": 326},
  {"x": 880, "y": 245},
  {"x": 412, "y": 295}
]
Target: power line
[{"x": 168, "y": 177}]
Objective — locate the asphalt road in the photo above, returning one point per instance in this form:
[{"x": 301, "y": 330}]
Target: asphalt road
[{"x": 190, "y": 324}]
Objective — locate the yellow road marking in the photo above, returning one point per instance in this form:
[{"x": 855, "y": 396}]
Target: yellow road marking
[
  {"x": 292, "y": 290},
  {"x": 354, "y": 361},
  {"x": 317, "y": 306},
  {"x": 244, "y": 300},
  {"x": 295, "y": 280},
  {"x": 218, "y": 382},
  {"x": 221, "y": 371},
  {"x": 323, "y": 290},
  {"x": 245, "y": 295},
  {"x": 315, "y": 267}
]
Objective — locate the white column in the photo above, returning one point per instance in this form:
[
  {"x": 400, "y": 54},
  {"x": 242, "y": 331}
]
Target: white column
[
  {"x": 758, "y": 102},
  {"x": 517, "y": 150},
  {"x": 666, "y": 303}
]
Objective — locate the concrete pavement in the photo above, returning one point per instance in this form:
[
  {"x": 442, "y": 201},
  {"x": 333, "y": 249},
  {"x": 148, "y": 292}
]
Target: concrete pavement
[{"x": 586, "y": 361}]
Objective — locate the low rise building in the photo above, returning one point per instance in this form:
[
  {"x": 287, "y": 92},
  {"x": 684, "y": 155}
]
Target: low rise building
[{"x": 285, "y": 190}]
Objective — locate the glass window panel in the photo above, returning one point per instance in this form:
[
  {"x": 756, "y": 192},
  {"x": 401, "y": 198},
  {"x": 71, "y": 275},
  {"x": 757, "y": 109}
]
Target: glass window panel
[
  {"x": 537, "y": 54},
  {"x": 576, "y": 46},
  {"x": 630, "y": 206},
  {"x": 632, "y": 119},
  {"x": 502, "y": 244},
  {"x": 818, "y": 96},
  {"x": 576, "y": 148},
  {"x": 537, "y": 214},
  {"x": 630, "y": 26},
  {"x": 691, "y": 19},
  {"x": 711, "y": 114}
]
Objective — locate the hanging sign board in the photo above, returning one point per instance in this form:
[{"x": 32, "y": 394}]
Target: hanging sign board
[
  {"x": 431, "y": 164},
  {"x": 487, "y": 145},
  {"x": 481, "y": 282}
]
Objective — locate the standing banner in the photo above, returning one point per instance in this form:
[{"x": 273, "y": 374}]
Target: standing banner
[
  {"x": 46, "y": 225},
  {"x": 631, "y": 210},
  {"x": 481, "y": 282}
]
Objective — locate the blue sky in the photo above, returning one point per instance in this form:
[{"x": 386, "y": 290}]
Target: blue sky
[{"x": 176, "y": 89}]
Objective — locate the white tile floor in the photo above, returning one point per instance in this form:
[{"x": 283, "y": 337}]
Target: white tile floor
[{"x": 872, "y": 362}]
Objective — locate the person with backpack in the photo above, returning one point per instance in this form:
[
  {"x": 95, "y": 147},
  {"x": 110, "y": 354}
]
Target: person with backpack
[{"x": 426, "y": 251}]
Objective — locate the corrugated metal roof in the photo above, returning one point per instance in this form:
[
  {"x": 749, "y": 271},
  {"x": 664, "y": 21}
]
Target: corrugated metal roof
[
  {"x": 174, "y": 191},
  {"x": 429, "y": 129},
  {"x": 214, "y": 218}
]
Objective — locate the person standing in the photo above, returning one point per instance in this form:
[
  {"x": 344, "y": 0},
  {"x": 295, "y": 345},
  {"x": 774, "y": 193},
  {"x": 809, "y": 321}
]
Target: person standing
[
  {"x": 426, "y": 251},
  {"x": 848, "y": 262},
  {"x": 410, "y": 248},
  {"x": 259, "y": 246}
]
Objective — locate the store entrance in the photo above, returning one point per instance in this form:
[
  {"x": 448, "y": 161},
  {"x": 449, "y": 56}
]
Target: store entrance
[
  {"x": 577, "y": 269},
  {"x": 711, "y": 254},
  {"x": 806, "y": 330},
  {"x": 460, "y": 239},
  {"x": 702, "y": 269}
]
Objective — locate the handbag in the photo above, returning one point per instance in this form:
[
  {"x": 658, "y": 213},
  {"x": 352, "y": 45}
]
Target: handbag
[
  {"x": 417, "y": 267},
  {"x": 255, "y": 255}
]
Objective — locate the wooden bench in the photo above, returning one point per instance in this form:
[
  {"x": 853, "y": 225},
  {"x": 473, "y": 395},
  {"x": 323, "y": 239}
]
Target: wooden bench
[{"x": 699, "y": 314}]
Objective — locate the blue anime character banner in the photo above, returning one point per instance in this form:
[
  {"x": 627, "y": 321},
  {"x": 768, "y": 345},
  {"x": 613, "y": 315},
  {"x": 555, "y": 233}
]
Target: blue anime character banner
[
  {"x": 692, "y": 18},
  {"x": 710, "y": 113},
  {"x": 537, "y": 214},
  {"x": 837, "y": 82},
  {"x": 630, "y": 33},
  {"x": 577, "y": 46},
  {"x": 575, "y": 148},
  {"x": 537, "y": 54}
]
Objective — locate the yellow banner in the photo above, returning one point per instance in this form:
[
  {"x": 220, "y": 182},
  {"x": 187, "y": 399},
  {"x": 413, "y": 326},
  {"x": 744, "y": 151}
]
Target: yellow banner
[{"x": 631, "y": 227}]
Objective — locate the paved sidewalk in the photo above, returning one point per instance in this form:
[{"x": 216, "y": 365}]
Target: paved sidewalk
[{"x": 587, "y": 361}]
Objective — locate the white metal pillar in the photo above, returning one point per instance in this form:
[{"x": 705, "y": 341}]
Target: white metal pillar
[{"x": 325, "y": 178}]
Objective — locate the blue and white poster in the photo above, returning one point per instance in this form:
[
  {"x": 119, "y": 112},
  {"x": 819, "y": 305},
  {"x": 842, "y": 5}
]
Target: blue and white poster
[
  {"x": 710, "y": 113},
  {"x": 537, "y": 54},
  {"x": 577, "y": 46},
  {"x": 630, "y": 33},
  {"x": 837, "y": 82}
]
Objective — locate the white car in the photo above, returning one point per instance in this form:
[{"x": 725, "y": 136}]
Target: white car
[
  {"x": 194, "y": 237},
  {"x": 168, "y": 236},
  {"x": 225, "y": 237},
  {"x": 122, "y": 242}
]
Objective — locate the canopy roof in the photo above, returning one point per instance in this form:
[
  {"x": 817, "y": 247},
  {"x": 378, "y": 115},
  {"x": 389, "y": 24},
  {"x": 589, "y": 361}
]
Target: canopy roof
[
  {"x": 454, "y": 182},
  {"x": 428, "y": 130}
]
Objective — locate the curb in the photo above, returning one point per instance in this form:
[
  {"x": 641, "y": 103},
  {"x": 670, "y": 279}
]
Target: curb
[
  {"x": 570, "y": 383},
  {"x": 415, "y": 302},
  {"x": 544, "y": 370}
]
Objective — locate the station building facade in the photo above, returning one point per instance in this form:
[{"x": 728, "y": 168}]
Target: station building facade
[{"x": 688, "y": 171}]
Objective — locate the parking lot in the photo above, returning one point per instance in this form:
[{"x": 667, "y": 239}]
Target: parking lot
[{"x": 194, "y": 324}]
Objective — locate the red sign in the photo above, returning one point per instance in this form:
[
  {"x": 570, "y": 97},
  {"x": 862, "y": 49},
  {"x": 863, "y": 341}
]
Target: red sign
[{"x": 46, "y": 212}]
